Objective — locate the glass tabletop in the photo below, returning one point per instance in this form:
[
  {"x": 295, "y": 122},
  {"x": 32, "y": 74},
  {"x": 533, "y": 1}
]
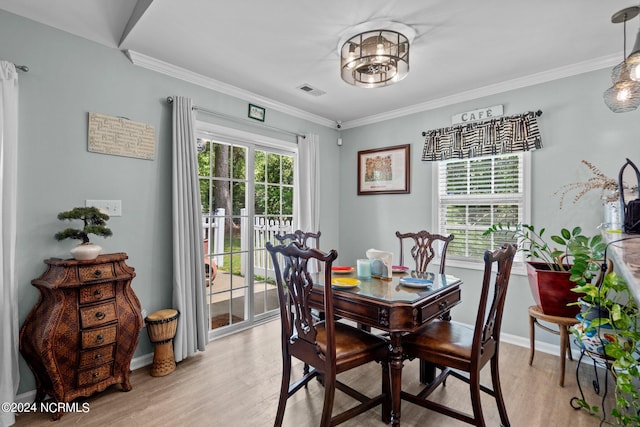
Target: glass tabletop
[{"x": 394, "y": 290}]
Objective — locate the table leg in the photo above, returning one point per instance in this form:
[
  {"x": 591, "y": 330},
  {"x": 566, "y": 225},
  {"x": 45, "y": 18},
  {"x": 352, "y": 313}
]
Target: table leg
[
  {"x": 427, "y": 372},
  {"x": 395, "y": 360},
  {"x": 386, "y": 388}
]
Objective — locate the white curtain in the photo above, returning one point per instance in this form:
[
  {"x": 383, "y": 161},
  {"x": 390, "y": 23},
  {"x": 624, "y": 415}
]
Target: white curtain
[
  {"x": 188, "y": 253},
  {"x": 306, "y": 202},
  {"x": 9, "y": 371}
]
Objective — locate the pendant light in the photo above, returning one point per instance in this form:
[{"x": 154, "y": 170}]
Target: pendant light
[
  {"x": 633, "y": 60},
  {"x": 624, "y": 95}
]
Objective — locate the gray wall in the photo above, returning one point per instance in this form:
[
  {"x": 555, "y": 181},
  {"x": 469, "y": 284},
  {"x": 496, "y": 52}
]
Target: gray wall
[
  {"x": 575, "y": 125},
  {"x": 70, "y": 77}
]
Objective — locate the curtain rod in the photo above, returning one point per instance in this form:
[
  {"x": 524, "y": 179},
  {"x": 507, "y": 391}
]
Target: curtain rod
[
  {"x": 21, "y": 68},
  {"x": 240, "y": 120},
  {"x": 537, "y": 113}
]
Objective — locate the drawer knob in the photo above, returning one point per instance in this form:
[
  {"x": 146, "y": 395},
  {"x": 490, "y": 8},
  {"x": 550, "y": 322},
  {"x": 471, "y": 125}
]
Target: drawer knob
[
  {"x": 98, "y": 356},
  {"x": 98, "y": 292},
  {"x": 100, "y": 338},
  {"x": 443, "y": 305},
  {"x": 95, "y": 374},
  {"x": 97, "y": 273},
  {"x": 100, "y": 315}
]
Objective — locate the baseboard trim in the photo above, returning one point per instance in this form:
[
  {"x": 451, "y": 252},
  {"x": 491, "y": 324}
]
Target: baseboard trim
[
  {"x": 141, "y": 361},
  {"x": 543, "y": 347},
  {"x": 136, "y": 363}
]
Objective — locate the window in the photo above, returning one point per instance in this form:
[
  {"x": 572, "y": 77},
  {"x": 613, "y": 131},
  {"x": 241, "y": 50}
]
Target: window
[
  {"x": 274, "y": 186},
  {"x": 473, "y": 194}
]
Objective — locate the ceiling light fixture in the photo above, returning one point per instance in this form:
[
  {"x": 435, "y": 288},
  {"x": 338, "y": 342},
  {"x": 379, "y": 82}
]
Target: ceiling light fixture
[
  {"x": 375, "y": 56},
  {"x": 624, "y": 95}
]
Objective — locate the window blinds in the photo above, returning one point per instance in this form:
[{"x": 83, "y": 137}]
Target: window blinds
[{"x": 475, "y": 194}]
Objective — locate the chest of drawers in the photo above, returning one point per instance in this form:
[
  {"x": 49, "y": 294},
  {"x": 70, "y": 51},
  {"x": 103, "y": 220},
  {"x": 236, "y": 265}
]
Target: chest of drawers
[{"x": 81, "y": 335}]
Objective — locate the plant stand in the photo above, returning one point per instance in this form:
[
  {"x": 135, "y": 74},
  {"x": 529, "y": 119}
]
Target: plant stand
[{"x": 598, "y": 360}]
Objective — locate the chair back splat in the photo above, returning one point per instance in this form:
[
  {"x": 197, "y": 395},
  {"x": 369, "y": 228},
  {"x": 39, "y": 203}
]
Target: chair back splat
[
  {"x": 449, "y": 345},
  {"x": 489, "y": 318},
  {"x": 327, "y": 346},
  {"x": 301, "y": 237},
  {"x": 423, "y": 250},
  {"x": 304, "y": 238}
]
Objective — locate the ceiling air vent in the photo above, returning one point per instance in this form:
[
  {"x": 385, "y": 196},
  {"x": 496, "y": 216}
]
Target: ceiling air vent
[{"x": 311, "y": 90}]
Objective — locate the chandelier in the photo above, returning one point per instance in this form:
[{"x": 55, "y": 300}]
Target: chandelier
[{"x": 376, "y": 57}]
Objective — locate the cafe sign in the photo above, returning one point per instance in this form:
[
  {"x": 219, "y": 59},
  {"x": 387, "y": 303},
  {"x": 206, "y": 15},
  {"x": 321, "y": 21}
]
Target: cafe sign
[{"x": 477, "y": 115}]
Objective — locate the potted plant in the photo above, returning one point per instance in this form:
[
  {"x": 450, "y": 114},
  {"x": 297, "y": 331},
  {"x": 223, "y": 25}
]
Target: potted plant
[
  {"x": 94, "y": 223},
  {"x": 608, "y": 332},
  {"x": 549, "y": 276}
]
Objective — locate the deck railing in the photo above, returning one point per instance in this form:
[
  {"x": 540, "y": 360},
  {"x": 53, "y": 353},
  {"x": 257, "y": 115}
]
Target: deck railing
[
  {"x": 262, "y": 231},
  {"x": 213, "y": 234}
]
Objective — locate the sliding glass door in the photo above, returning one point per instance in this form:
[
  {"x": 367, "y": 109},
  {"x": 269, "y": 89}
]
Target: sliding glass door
[{"x": 246, "y": 191}]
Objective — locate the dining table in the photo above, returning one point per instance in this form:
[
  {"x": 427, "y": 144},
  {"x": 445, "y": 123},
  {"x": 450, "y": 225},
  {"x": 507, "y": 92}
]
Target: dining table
[{"x": 396, "y": 305}]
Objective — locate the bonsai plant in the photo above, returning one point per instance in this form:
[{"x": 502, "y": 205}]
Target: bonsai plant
[
  {"x": 94, "y": 223},
  {"x": 549, "y": 276}
]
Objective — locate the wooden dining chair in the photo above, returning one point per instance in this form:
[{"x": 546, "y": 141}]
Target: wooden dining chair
[
  {"x": 451, "y": 345},
  {"x": 423, "y": 251},
  {"x": 304, "y": 238},
  {"x": 327, "y": 346}
]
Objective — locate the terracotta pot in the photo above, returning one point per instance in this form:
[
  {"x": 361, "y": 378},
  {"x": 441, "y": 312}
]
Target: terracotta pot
[{"x": 551, "y": 290}]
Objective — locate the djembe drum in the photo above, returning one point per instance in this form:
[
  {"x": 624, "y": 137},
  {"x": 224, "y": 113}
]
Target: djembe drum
[{"x": 161, "y": 327}]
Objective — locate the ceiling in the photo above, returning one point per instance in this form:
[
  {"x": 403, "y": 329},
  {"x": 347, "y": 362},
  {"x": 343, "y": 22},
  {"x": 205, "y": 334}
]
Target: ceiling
[{"x": 262, "y": 51}]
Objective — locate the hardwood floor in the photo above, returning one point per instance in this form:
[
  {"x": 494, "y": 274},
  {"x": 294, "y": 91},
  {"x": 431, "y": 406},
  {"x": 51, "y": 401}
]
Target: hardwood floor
[{"x": 235, "y": 383}]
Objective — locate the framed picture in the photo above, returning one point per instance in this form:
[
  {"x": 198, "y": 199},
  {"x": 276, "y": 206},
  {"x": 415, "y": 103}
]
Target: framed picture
[
  {"x": 256, "y": 112},
  {"x": 384, "y": 170}
]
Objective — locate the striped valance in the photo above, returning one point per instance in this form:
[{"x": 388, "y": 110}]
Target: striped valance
[{"x": 487, "y": 138}]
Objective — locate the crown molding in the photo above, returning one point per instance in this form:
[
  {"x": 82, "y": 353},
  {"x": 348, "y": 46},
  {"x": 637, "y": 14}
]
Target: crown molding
[
  {"x": 531, "y": 80},
  {"x": 522, "y": 82},
  {"x": 162, "y": 67}
]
